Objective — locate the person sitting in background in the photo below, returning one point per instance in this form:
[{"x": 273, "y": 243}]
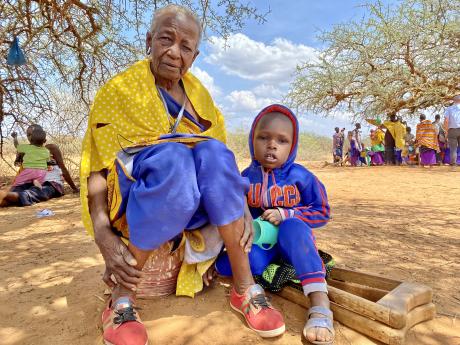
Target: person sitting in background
[
  {"x": 427, "y": 141},
  {"x": 53, "y": 186},
  {"x": 35, "y": 159}
]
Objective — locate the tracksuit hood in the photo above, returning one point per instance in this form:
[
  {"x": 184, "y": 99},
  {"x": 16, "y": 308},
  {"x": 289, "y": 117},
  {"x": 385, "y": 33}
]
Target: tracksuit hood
[{"x": 295, "y": 124}]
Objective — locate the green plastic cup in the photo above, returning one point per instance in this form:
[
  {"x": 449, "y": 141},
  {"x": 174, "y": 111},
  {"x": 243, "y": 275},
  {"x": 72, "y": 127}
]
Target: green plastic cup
[{"x": 265, "y": 234}]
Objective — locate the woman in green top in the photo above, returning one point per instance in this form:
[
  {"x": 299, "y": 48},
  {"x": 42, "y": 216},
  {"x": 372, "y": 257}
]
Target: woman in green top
[{"x": 35, "y": 159}]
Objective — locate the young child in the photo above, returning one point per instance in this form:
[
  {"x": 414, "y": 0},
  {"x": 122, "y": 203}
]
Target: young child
[
  {"x": 288, "y": 195},
  {"x": 34, "y": 159},
  {"x": 409, "y": 151}
]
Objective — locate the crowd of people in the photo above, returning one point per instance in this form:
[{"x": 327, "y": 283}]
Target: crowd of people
[{"x": 392, "y": 142}]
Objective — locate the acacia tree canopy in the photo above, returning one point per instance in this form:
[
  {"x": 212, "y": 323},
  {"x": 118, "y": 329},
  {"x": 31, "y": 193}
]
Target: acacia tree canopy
[
  {"x": 397, "y": 60},
  {"x": 74, "y": 46}
]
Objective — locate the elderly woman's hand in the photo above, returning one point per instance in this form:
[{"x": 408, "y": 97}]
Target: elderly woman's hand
[
  {"x": 248, "y": 233},
  {"x": 119, "y": 262}
]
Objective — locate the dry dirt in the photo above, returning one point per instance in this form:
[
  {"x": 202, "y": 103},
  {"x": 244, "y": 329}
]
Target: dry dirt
[{"x": 401, "y": 223}]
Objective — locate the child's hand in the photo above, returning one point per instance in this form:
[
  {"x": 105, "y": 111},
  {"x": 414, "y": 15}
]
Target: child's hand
[{"x": 272, "y": 215}]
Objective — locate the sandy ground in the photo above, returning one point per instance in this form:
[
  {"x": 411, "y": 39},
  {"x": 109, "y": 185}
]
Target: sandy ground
[{"x": 402, "y": 223}]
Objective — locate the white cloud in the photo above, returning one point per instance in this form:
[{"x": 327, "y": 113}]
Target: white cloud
[
  {"x": 207, "y": 81},
  {"x": 341, "y": 115},
  {"x": 253, "y": 60},
  {"x": 246, "y": 101},
  {"x": 268, "y": 90},
  {"x": 305, "y": 124},
  {"x": 267, "y": 70}
]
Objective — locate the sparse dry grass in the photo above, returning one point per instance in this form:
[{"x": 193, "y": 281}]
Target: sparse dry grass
[{"x": 311, "y": 148}]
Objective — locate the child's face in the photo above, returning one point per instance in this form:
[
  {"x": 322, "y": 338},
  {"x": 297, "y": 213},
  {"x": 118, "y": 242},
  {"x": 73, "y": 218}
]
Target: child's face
[{"x": 273, "y": 140}]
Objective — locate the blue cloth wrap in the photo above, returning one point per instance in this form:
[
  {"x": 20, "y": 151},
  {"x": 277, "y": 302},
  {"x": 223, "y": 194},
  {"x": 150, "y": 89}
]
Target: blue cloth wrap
[{"x": 178, "y": 187}]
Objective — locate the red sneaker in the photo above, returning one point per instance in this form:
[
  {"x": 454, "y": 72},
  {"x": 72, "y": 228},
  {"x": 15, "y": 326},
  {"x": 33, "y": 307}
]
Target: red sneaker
[
  {"x": 122, "y": 325},
  {"x": 260, "y": 316}
]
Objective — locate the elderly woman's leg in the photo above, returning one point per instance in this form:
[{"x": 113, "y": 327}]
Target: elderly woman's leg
[
  {"x": 222, "y": 196},
  {"x": 164, "y": 197},
  {"x": 160, "y": 203},
  {"x": 231, "y": 234}
]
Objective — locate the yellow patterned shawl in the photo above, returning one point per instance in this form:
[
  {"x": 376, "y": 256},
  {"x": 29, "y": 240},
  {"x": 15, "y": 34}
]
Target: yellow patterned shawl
[
  {"x": 398, "y": 131},
  {"x": 127, "y": 111}
]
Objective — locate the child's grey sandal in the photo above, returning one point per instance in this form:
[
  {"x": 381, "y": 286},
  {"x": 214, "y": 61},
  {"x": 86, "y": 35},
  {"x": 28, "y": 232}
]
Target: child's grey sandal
[{"x": 320, "y": 322}]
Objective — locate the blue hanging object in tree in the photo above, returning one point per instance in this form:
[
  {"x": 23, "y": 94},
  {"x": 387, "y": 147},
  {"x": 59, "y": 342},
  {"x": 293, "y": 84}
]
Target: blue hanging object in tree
[{"x": 15, "y": 54}]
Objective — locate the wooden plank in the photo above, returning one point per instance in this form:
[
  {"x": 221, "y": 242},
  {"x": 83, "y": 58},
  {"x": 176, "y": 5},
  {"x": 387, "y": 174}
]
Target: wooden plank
[
  {"x": 367, "y": 292},
  {"x": 364, "y": 279},
  {"x": 379, "y": 331},
  {"x": 369, "y": 327},
  {"x": 403, "y": 299},
  {"x": 355, "y": 303},
  {"x": 360, "y": 305}
]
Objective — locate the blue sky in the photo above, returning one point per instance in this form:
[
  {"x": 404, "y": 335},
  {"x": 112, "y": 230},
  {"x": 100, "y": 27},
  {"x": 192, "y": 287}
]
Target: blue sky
[{"x": 256, "y": 66}]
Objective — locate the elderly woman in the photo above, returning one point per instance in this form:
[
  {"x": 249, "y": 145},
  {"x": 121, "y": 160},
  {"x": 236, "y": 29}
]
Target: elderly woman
[{"x": 172, "y": 172}]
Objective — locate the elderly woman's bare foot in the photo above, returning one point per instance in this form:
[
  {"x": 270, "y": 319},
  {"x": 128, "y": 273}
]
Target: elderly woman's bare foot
[{"x": 209, "y": 275}]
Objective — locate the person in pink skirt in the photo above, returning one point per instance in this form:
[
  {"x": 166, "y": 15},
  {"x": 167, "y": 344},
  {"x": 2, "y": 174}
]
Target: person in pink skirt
[{"x": 35, "y": 159}]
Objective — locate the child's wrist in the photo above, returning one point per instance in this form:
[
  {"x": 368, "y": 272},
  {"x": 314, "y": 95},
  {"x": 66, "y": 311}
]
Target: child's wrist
[{"x": 284, "y": 213}]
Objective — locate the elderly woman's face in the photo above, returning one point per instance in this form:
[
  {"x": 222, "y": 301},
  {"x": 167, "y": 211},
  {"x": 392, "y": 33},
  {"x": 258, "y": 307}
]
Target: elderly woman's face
[{"x": 173, "y": 46}]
